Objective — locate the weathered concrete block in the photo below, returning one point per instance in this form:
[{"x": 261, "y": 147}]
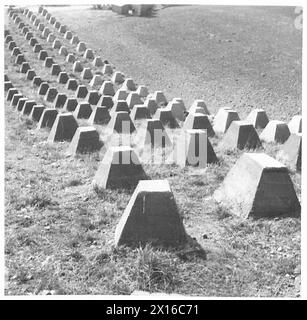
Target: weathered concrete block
[
  {"x": 74, "y": 40},
  {"x": 223, "y": 119},
  {"x": 48, "y": 63},
  {"x": 133, "y": 99},
  {"x": 46, "y": 32},
  {"x": 32, "y": 42},
  {"x": 51, "y": 37},
  {"x": 139, "y": 111},
  {"x": 16, "y": 51},
  {"x": 258, "y": 186},
  {"x": 42, "y": 55},
  {"x": 51, "y": 94},
  {"x": 291, "y": 152},
  {"x": 195, "y": 149},
  {"x": 128, "y": 85},
  {"x": 107, "y": 69},
  {"x": 97, "y": 80},
  {"x": 83, "y": 110},
  {"x": 20, "y": 59},
  {"x": 55, "y": 69},
  {"x": 37, "y": 112},
  {"x": 27, "y": 107},
  {"x": 70, "y": 104},
  {"x": 37, "y": 48},
  {"x": 199, "y": 104},
  {"x": 11, "y": 93},
  {"x": 68, "y": 35},
  {"x": 52, "y": 20},
  {"x": 81, "y": 47},
  {"x": 142, "y": 91},
  {"x": 106, "y": 101},
  {"x": 57, "y": 25},
  {"x": 15, "y": 99},
  {"x": 86, "y": 74},
  {"x": 117, "y": 77},
  {"x": 30, "y": 74},
  {"x": 8, "y": 39},
  {"x": 120, "y": 122},
  {"x": 47, "y": 118},
  {"x": 21, "y": 102},
  {"x": 151, "y": 216},
  {"x": 120, "y": 105},
  {"x": 43, "y": 88},
  {"x": 70, "y": 58},
  {"x": 81, "y": 91},
  {"x": 77, "y": 67},
  {"x": 85, "y": 139},
  {"x": 100, "y": 115},
  {"x": 64, "y": 128},
  {"x": 63, "y": 51},
  {"x": 25, "y": 66},
  {"x": 36, "y": 22},
  {"x": 177, "y": 108},
  {"x": 25, "y": 30},
  {"x": 41, "y": 27},
  {"x": 120, "y": 95},
  {"x": 119, "y": 168},
  {"x": 198, "y": 121},
  {"x": 151, "y": 105},
  {"x": 93, "y": 97},
  {"x": 241, "y": 135},
  {"x": 166, "y": 117},
  {"x": 63, "y": 29},
  {"x": 107, "y": 89},
  {"x": 275, "y": 131},
  {"x": 28, "y": 35},
  {"x": 7, "y": 85},
  {"x": 63, "y": 77},
  {"x": 88, "y": 54},
  {"x": 37, "y": 81},
  {"x": 72, "y": 84},
  {"x": 154, "y": 135},
  {"x": 20, "y": 26},
  {"x": 295, "y": 125},
  {"x": 56, "y": 44},
  {"x": 258, "y": 118},
  {"x": 60, "y": 100},
  {"x": 97, "y": 62},
  {"x": 159, "y": 97},
  {"x": 12, "y": 45}
]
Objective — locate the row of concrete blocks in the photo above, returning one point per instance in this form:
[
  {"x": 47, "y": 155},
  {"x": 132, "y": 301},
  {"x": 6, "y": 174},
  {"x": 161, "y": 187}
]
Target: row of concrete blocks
[{"x": 88, "y": 54}]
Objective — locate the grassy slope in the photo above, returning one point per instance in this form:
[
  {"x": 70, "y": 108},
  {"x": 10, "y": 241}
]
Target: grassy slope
[{"x": 59, "y": 233}]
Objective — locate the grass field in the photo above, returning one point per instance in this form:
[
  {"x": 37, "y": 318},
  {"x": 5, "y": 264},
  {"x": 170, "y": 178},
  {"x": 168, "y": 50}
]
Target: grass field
[{"x": 59, "y": 234}]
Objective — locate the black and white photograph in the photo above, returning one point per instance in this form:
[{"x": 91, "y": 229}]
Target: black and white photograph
[{"x": 152, "y": 150}]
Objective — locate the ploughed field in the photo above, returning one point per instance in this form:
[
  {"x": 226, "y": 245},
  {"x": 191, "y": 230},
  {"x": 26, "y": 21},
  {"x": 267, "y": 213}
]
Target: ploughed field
[{"x": 59, "y": 233}]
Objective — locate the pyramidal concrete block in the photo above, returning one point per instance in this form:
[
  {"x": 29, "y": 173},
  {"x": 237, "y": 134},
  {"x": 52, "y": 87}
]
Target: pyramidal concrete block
[
  {"x": 100, "y": 115},
  {"x": 68, "y": 35},
  {"x": 107, "y": 89},
  {"x": 88, "y": 54},
  {"x": 120, "y": 95},
  {"x": 291, "y": 152},
  {"x": 258, "y": 186},
  {"x": 47, "y": 118},
  {"x": 198, "y": 121},
  {"x": 223, "y": 119},
  {"x": 133, "y": 99},
  {"x": 120, "y": 105},
  {"x": 258, "y": 118},
  {"x": 64, "y": 128},
  {"x": 15, "y": 99},
  {"x": 93, "y": 97},
  {"x": 177, "y": 108},
  {"x": 139, "y": 111},
  {"x": 96, "y": 81},
  {"x": 81, "y": 47},
  {"x": 33, "y": 41},
  {"x": 295, "y": 124},
  {"x": 37, "y": 48},
  {"x": 37, "y": 81},
  {"x": 51, "y": 37},
  {"x": 275, "y": 131},
  {"x": 159, "y": 97},
  {"x": 241, "y": 135},
  {"x": 151, "y": 105},
  {"x": 166, "y": 117},
  {"x": 48, "y": 62},
  {"x": 72, "y": 84},
  {"x": 63, "y": 77},
  {"x": 51, "y": 94},
  {"x": 83, "y": 110},
  {"x": 119, "y": 168},
  {"x": 195, "y": 149},
  {"x": 81, "y": 91},
  {"x": 27, "y": 107},
  {"x": 55, "y": 69},
  {"x": 97, "y": 62},
  {"x": 154, "y": 135},
  {"x": 60, "y": 100},
  {"x": 70, "y": 58},
  {"x": 21, "y": 103},
  {"x": 121, "y": 123},
  {"x": 37, "y": 112},
  {"x": 77, "y": 67},
  {"x": 151, "y": 216},
  {"x": 30, "y": 74},
  {"x": 12, "y": 45},
  {"x": 10, "y": 94},
  {"x": 85, "y": 140},
  {"x": 106, "y": 101},
  {"x": 117, "y": 77},
  {"x": 107, "y": 69},
  {"x": 199, "y": 104},
  {"x": 70, "y": 104},
  {"x": 128, "y": 85},
  {"x": 74, "y": 40},
  {"x": 87, "y": 74},
  {"x": 7, "y": 85},
  {"x": 142, "y": 91}
]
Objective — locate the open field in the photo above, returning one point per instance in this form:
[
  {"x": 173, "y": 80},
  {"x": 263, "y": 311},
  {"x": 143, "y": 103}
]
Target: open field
[{"x": 60, "y": 233}]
